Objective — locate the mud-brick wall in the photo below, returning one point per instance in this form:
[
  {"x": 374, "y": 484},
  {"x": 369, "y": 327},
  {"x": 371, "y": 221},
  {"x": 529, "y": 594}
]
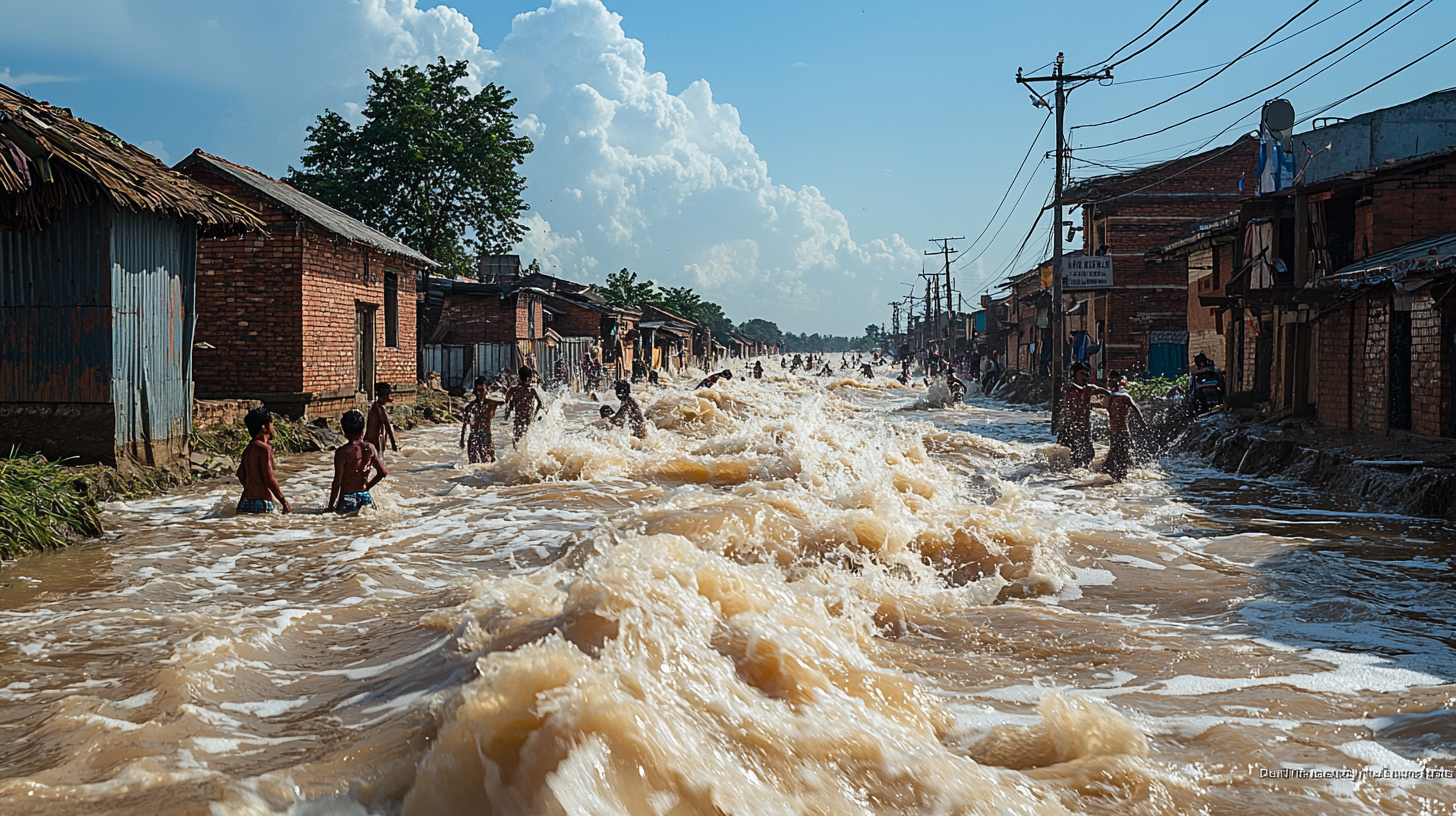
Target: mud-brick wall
[
  {"x": 1332, "y": 403},
  {"x": 576, "y": 322},
  {"x": 1430, "y": 369},
  {"x": 479, "y": 319},
  {"x": 1410, "y": 207},
  {"x": 338, "y": 275},
  {"x": 1374, "y": 414},
  {"x": 249, "y": 305}
]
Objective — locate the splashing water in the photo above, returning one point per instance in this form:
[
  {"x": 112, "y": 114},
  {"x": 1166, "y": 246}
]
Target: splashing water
[{"x": 797, "y": 595}]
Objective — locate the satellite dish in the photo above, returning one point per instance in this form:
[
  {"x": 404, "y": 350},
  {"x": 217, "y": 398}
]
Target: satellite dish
[{"x": 1279, "y": 120}]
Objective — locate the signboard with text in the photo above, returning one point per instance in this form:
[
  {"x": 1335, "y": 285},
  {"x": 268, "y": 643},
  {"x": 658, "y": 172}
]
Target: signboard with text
[{"x": 1086, "y": 271}]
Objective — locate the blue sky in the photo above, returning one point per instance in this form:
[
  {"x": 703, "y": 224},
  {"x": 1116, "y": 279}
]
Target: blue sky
[{"x": 788, "y": 159}]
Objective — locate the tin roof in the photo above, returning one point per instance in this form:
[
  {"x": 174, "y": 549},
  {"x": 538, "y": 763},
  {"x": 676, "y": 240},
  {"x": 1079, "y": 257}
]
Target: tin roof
[
  {"x": 1429, "y": 255},
  {"x": 50, "y": 160},
  {"x": 302, "y": 205}
]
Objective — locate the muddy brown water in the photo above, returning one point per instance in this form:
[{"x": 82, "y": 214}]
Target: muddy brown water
[{"x": 796, "y": 596}]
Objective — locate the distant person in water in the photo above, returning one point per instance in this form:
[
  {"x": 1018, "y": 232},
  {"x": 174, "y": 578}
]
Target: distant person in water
[
  {"x": 629, "y": 413},
  {"x": 712, "y": 379},
  {"x": 522, "y": 403},
  {"x": 379, "y": 426},
  {"x": 758, "y": 370},
  {"x": 255, "y": 471},
  {"x": 957, "y": 388},
  {"x": 1076, "y": 431},
  {"x": 1120, "y": 411},
  {"x": 357, "y": 468},
  {"x": 827, "y": 370},
  {"x": 867, "y": 372},
  {"x": 475, "y": 428},
  {"x": 605, "y": 412}
]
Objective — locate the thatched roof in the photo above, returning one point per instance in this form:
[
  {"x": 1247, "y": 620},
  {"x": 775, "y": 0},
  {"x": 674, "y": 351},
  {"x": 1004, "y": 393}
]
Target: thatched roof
[{"x": 51, "y": 160}]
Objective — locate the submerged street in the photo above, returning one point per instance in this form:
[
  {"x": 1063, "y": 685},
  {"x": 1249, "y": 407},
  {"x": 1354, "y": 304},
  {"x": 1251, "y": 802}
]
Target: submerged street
[{"x": 797, "y": 595}]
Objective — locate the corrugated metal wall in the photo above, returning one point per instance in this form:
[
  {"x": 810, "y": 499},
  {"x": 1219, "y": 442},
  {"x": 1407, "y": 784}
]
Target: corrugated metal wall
[
  {"x": 55, "y": 322},
  {"x": 458, "y": 366},
  {"x": 153, "y": 280}
]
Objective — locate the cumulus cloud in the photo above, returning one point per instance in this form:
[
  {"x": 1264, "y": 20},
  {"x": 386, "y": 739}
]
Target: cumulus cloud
[{"x": 627, "y": 173}]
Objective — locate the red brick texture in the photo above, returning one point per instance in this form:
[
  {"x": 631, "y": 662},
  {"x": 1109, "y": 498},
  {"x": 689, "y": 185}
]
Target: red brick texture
[{"x": 279, "y": 311}]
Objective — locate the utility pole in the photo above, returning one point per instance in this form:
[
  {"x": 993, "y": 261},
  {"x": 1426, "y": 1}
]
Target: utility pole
[
  {"x": 1058, "y": 320},
  {"x": 945, "y": 250}
]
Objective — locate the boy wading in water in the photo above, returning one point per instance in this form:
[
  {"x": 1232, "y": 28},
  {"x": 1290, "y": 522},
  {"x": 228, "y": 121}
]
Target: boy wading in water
[
  {"x": 476, "y": 427},
  {"x": 630, "y": 413},
  {"x": 1076, "y": 432},
  {"x": 260, "y": 486},
  {"x": 353, "y": 462},
  {"x": 523, "y": 401},
  {"x": 379, "y": 425},
  {"x": 1119, "y": 408}
]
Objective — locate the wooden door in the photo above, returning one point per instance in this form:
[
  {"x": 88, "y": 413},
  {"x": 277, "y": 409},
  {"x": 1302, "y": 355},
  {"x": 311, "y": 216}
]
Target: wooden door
[{"x": 364, "y": 348}]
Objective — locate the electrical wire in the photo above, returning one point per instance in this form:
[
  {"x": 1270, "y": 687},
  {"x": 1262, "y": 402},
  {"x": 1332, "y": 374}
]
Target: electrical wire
[
  {"x": 1024, "y": 241},
  {"x": 1211, "y": 77},
  {"x": 1010, "y": 213},
  {"x": 1160, "y": 36},
  {"x": 1274, "y": 44},
  {"x": 1009, "y": 188},
  {"x": 1296, "y": 72},
  {"x": 1129, "y": 44},
  {"x": 1347, "y": 98}
]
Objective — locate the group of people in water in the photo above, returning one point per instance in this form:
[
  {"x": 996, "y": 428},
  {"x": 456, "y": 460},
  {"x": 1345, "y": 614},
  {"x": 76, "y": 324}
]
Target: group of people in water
[{"x": 359, "y": 462}]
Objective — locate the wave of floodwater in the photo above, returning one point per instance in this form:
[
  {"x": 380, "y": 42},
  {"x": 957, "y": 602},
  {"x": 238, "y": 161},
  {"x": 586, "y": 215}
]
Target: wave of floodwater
[{"x": 795, "y": 596}]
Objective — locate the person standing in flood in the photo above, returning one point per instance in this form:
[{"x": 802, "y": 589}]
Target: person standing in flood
[
  {"x": 1121, "y": 410},
  {"x": 354, "y": 462},
  {"x": 522, "y": 403},
  {"x": 475, "y": 428},
  {"x": 1076, "y": 430},
  {"x": 255, "y": 471},
  {"x": 629, "y": 413},
  {"x": 758, "y": 370},
  {"x": 379, "y": 426}
]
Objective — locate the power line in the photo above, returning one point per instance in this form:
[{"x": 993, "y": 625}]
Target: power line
[
  {"x": 1296, "y": 72},
  {"x": 1160, "y": 36},
  {"x": 1274, "y": 44},
  {"x": 1009, "y": 187},
  {"x": 1010, "y": 213},
  {"x": 997, "y": 275},
  {"x": 1344, "y": 99},
  {"x": 1210, "y": 78},
  {"x": 1133, "y": 40}
]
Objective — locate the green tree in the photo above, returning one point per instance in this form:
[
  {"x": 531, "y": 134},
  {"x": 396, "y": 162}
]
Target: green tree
[
  {"x": 764, "y": 330},
  {"x": 683, "y": 301},
  {"x": 623, "y": 289},
  {"x": 433, "y": 165},
  {"x": 872, "y": 331}
]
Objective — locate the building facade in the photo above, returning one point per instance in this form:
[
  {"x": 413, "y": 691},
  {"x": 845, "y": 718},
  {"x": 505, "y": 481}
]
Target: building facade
[{"x": 310, "y": 316}]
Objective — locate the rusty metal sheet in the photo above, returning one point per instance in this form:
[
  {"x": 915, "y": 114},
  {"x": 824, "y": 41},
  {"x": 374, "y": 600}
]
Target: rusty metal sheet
[
  {"x": 55, "y": 323},
  {"x": 153, "y": 280}
]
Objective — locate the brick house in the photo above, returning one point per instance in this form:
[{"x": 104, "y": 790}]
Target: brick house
[
  {"x": 510, "y": 319},
  {"x": 1140, "y": 322},
  {"x": 1208, "y": 251},
  {"x": 307, "y": 318}
]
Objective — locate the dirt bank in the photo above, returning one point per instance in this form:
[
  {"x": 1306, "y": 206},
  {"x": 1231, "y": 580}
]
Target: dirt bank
[{"x": 1408, "y": 474}]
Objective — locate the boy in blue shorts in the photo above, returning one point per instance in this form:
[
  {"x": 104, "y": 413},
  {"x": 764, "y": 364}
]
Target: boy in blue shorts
[
  {"x": 352, "y": 465},
  {"x": 255, "y": 471}
]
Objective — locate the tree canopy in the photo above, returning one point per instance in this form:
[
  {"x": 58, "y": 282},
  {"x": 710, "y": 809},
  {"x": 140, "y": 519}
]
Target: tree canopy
[
  {"x": 623, "y": 289},
  {"x": 433, "y": 164}
]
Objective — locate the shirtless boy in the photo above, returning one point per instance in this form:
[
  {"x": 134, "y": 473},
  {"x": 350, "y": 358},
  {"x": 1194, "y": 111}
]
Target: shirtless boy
[
  {"x": 1076, "y": 432},
  {"x": 260, "y": 486},
  {"x": 758, "y": 370},
  {"x": 475, "y": 429},
  {"x": 522, "y": 402},
  {"x": 379, "y": 426},
  {"x": 1120, "y": 407},
  {"x": 630, "y": 413},
  {"x": 353, "y": 462}
]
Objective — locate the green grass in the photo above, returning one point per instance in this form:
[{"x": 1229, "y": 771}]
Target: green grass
[
  {"x": 230, "y": 440},
  {"x": 1151, "y": 387},
  {"x": 41, "y": 507}
]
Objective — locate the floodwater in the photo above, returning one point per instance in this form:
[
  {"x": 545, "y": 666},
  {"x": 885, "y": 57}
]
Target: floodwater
[{"x": 797, "y": 596}]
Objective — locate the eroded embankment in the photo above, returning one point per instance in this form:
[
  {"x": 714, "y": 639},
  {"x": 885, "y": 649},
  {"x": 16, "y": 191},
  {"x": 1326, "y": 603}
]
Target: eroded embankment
[{"x": 1421, "y": 484}]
